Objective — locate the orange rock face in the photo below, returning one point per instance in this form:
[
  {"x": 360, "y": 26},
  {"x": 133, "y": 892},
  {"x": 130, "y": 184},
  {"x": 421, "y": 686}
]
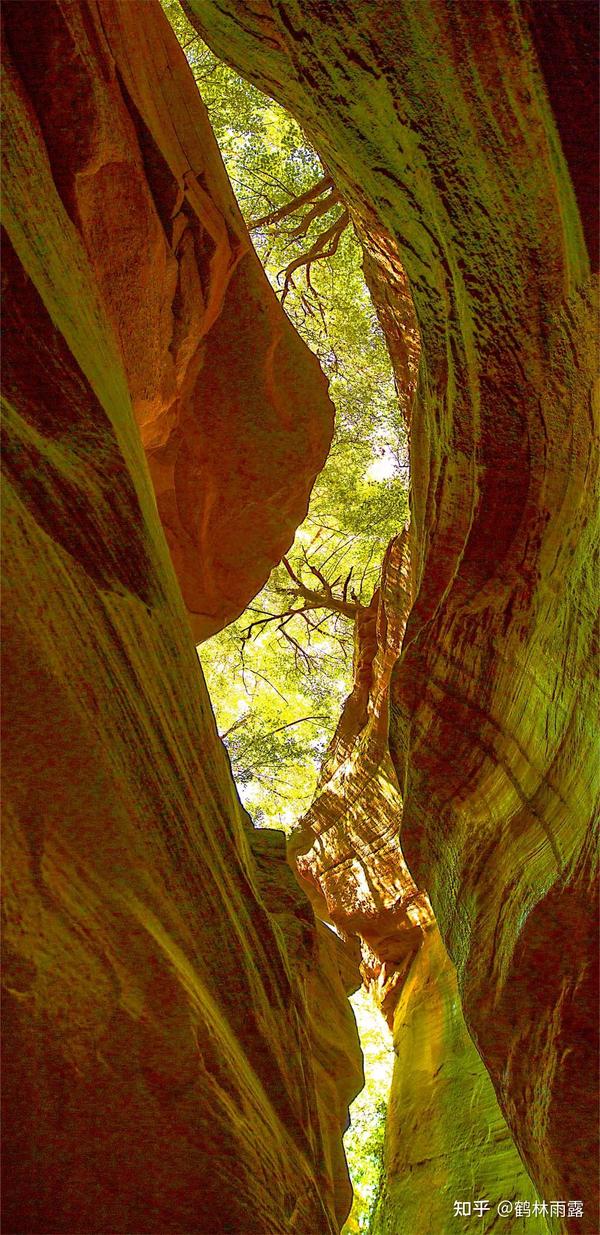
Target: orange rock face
[
  {"x": 163, "y": 1050},
  {"x": 346, "y": 849},
  {"x": 462, "y": 137},
  {"x": 445, "y": 1132},
  {"x": 232, "y": 408}
]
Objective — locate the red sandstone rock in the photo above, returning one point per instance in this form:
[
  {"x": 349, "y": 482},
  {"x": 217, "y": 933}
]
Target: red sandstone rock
[
  {"x": 444, "y": 1127},
  {"x": 441, "y": 124},
  {"x": 162, "y": 1053},
  {"x": 232, "y": 408},
  {"x": 346, "y": 849}
]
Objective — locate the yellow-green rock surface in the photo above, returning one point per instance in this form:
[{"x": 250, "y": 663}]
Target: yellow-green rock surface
[
  {"x": 446, "y": 1138},
  {"x": 462, "y": 137},
  {"x": 163, "y": 1041}
]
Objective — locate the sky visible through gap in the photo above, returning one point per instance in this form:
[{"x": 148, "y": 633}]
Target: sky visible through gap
[{"x": 277, "y": 691}]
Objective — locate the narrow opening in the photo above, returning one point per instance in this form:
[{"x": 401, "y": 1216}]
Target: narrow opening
[
  {"x": 279, "y": 675},
  {"x": 363, "y": 1141}
]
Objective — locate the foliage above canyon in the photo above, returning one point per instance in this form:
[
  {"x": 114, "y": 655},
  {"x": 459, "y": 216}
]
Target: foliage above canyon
[{"x": 278, "y": 680}]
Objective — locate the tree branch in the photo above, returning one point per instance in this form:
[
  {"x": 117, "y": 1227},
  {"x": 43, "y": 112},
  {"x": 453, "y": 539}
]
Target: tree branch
[
  {"x": 320, "y": 600},
  {"x": 263, "y": 736},
  {"x": 283, "y": 212},
  {"x": 324, "y": 246},
  {"x": 316, "y": 212}
]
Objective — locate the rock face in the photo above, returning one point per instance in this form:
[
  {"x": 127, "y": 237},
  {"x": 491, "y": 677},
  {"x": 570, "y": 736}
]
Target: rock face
[
  {"x": 179, "y": 1049},
  {"x": 165, "y": 1053},
  {"x": 463, "y": 152},
  {"x": 446, "y": 1138},
  {"x": 232, "y": 408},
  {"x": 346, "y": 849}
]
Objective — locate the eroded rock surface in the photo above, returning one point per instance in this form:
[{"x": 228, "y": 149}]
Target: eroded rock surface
[
  {"x": 347, "y": 849},
  {"x": 446, "y": 1138},
  {"x": 450, "y": 131},
  {"x": 164, "y": 984},
  {"x": 232, "y": 408}
]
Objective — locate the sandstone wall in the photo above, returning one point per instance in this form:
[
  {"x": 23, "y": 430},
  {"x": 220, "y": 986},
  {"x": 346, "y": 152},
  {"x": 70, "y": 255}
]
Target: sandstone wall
[
  {"x": 461, "y": 137},
  {"x": 346, "y": 848},
  {"x": 164, "y": 1058},
  {"x": 232, "y": 408},
  {"x": 446, "y": 1138}
]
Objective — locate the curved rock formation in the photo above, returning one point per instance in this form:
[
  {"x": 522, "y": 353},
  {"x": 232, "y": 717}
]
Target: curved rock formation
[
  {"x": 450, "y": 132},
  {"x": 164, "y": 1046},
  {"x": 346, "y": 848},
  {"x": 445, "y": 1133},
  {"x": 446, "y": 1138},
  {"x": 169, "y": 1066},
  {"x": 232, "y": 408}
]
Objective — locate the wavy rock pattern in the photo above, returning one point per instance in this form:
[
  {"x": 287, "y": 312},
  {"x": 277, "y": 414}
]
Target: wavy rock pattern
[
  {"x": 445, "y": 1134},
  {"x": 346, "y": 849},
  {"x": 232, "y": 408},
  {"x": 167, "y": 1066},
  {"x": 462, "y": 137}
]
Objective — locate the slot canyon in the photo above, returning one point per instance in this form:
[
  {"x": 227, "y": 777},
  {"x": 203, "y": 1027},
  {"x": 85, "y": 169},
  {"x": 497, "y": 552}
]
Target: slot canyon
[{"x": 179, "y": 1049}]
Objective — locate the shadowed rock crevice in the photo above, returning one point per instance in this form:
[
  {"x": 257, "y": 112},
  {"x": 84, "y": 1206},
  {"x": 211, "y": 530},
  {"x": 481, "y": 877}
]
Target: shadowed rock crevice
[
  {"x": 441, "y": 127},
  {"x": 180, "y": 1053}
]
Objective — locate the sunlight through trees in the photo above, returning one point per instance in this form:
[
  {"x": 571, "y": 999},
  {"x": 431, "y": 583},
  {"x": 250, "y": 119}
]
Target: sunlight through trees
[{"x": 278, "y": 676}]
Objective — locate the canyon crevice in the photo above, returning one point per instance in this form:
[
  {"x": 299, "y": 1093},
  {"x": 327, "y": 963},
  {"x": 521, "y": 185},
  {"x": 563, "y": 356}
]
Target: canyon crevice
[
  {"x": 179, "y": 1050},
  {"x": 444, "y": 1127},
  {"x": 441, "y": 126}
]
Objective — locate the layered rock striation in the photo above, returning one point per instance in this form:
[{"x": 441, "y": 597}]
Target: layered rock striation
[
  {"x": 462, "y": 145},
  {"x": 346, "y": 849},
  {"x": 446, "y": 1138},
  {"x": 169, "y": 1066},
  {"x": 232, "y": 409},
  {"x": 166, "y": 1065}
]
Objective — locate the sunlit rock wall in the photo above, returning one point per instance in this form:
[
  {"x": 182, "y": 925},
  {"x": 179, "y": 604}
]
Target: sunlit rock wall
[
  {"x": 346, "y": 848},
  {"x": 462, "y": 137},
  {"x": 166, "y": 985},
  {"x": 232, "y": 409},
  {"x": 446, "y": 1138}
]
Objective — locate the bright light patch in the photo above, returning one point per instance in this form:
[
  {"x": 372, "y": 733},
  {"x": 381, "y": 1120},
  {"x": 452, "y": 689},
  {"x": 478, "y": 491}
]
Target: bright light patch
[{"x": 381, "y": 469}]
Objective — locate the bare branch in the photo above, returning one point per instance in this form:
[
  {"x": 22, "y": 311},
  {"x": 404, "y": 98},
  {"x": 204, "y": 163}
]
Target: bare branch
[
  {"x": 292, "y": 206},
  {"x": 298, "y": 649},
  {"x": 262, "y": 737},
  {"x": 318, "y": 599},
  {"x": 325, "y": 245},
  {"x": 247, "y": 633},
  {"x": 314, "y": 570},
  {"x": 265, "y": 176},
  {"x": 269, "y": 683},
  {"x": 288, "y": 567},
  {"x": 316, "y": 212},
  {"x": 241, "y": 720}
]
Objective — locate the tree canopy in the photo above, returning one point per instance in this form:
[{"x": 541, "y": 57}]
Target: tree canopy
[
  {"x": 279, "y": 675},
  {"x": 278, "y": 679}
]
